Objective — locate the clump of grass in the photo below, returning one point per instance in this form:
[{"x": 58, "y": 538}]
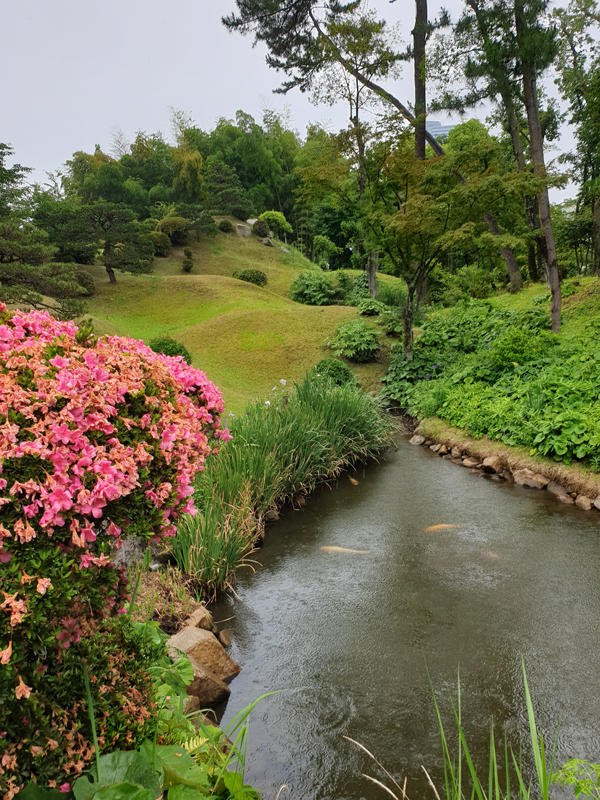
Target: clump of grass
[{"x": 280, "y": 448}]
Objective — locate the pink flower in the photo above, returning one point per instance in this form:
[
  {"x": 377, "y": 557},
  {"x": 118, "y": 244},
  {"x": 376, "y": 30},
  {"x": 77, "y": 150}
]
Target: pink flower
[
  {"x": 6, "y": 654},
  {"x": 22, "y": 690},
  {"x": 43, "y": 584},
  {"x": 59, "y": 361},
  {"x": 64, "y": 787}
]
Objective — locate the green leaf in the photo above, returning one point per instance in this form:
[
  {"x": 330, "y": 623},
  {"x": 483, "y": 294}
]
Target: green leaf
[
  {"x": 182, "y": 792},
  {"x": 34, "y": 792},
  {"x": 120, "y": 766},
  {"x": 125, "y": 791},
  {"x": 180, "y": 768}
]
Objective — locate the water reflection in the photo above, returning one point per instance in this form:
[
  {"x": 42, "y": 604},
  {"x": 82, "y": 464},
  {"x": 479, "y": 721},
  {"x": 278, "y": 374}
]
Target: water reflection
[{"x": 350, "y": 637}]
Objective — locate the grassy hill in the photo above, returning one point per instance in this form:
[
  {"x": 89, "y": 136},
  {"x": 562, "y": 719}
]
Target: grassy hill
[{"x": 244, "y": 337}]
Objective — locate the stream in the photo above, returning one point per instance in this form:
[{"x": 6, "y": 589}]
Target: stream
[{"x": 351, "y": 638}]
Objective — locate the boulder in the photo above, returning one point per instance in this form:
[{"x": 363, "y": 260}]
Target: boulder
[
  {"x": 225, "y": 638},
  {"x": 492, "y": 464},
  {"x": 435, "y": 447},
  {"x": 539, "y": 478},
  {"x": 507, "y": 476},
  {"x": 417, "y": 440},
  {"x": 206, "y": 686},
  {"x": 456, "y": 452},
  {"x": 267, "y": 242},
  {"x": 564, "y": 498},
  {"x": 596, "y": 503},
  {"x": 419, "y": 427},
  {"x": 556, "y": 488},
  {"x": 191, "y": 703},
  {"x": 204, "y": 647},
  {"x": 251, "y": 221},
  {"x": 456, "y": 461},
  {"x": 522, "y": 475},
  {"x": 443, "y": 450},
  {"x": 201, "y": 618},
  {"x": 470, "y": 462},
  {"x": 531, "y": 483},
  {"x": 243, "y": 230},
  {"x": 583, "y": 502}
]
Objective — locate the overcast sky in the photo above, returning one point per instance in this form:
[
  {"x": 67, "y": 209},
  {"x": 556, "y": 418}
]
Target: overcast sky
[{"x": 74, "y": 69}]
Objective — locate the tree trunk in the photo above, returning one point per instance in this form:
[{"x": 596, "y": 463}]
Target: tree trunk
[
  {"x": 596, "y": 233},
  {"x": 407, "y": 315},
  {"x": 537, "y": 154},
  {"x": 372, "y": 268},
  {"x": 111, "y": 274},
  {"x": 419, "y": 40},
  {"x": 516, "y": 279},
  {"x": 108, "y": 266},
  {"x": 532, "y": 266}
]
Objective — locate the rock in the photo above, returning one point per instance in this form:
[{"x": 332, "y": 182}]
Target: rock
[
  {"x": 225, "y": 638},
  {"x": 267, "y": 242},
  {"x": 456, "y": 461},
  {"x": 470, "y": 462},
  {"x": 191, "y": 703},
  {"x": 496, "y": 477},
  {"x": 456, "y": 452},
  {"x": 417, "y": 440},
  {"x": 132, "y": 550},
  {"x": 583, "y": 502},
  {"x": 522, "y": 475},
  {"x": 564, "y": 498},
  {"x": 474, "y": 472},
  {"x": 531, "y": 483},
  {"x": 435, "y": 447},
  {"x": 271, "y": 515},
  {"x": 596, "y": 503},
  {"x": 206, "y": 650},
  {"x": 539, "y": 478},
  {"x": 443, "y": 450},
  {"x": 243, "y": 230},
  {"x": 201, "y": 618},
  {"x": 206, "y": 686},
  {"x": 507, "y": 476},
  {"x": 285, "y": 250},
  {"x": 419, "y": 427},
  {"x": 447, "y": 456},
  {"x": 556, "y": 488},
  {"x": 492, "y": 464},
  {"x": 427, "y": 443},
  {"x": 251, "y": 221}
]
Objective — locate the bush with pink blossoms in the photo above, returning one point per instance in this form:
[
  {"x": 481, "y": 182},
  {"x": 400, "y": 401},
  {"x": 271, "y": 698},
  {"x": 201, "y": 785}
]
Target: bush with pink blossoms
[{"x": 100, "y": 439}]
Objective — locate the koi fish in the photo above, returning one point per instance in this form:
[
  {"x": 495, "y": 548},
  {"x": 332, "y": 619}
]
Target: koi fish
[
  {"x": 489, "y": 554},
  {"x": 332, "y": 549},
  {"x": 353, "y": 481},
  {"x": 441, "y": 527}
]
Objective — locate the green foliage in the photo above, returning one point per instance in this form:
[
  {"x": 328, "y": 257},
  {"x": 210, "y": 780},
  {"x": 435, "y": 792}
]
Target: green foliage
[
  {"x": 255, "y": 276},
  {"x": 391, "y": 295},
  {"x": 280, "y": 447},
  {"x": 313, "y": 289},
  {"x": 277, "y": 223},
  {"x": 187, "y": 263},
  {"x": 260, "y": 228},
  {"x": 160, "y": 242},
  {"x": 356, "y": 340},
  {"x": 336, "y": 370},
  {"x": 170, "y": 347},
  {"x": 359, "y": 291},
  {"x": 583, "y": 776},
  {"x": 225, "y": 226},
  {"x": 176, "y": 229},
  {"x": 370, "y": 308},
  {"x": 204, "y": 225}
]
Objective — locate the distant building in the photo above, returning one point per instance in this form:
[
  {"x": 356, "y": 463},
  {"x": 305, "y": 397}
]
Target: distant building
[{"x": 438, "y": 128}]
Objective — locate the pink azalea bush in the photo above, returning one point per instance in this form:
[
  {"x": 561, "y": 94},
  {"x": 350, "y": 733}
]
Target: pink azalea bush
[{"x": 100, "y": 439}]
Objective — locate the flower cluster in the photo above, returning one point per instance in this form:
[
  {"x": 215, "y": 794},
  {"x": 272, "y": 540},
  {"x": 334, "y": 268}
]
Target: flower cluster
[{"x": 100, "y": 439}]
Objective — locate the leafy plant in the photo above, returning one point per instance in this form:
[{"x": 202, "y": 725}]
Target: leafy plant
[
  {"x": 313, "y": 289},
  {"x": 356, "y": 340},
  {"x": 370, "y": 308},
  {"x": 336, "y": 371},
  {"x": 225, "y": 226},
  {"x": 170, "y": 347},
  {"x": 260, "y": 228},
  {"x": 187, "y": 263},
  {"x": 255, "y": 276}
]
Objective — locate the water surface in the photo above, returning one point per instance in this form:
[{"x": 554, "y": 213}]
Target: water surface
[{"x": 350, "y": 638}]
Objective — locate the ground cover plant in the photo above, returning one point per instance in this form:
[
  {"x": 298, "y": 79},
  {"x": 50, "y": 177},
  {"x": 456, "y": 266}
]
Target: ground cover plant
[
  {"x": 355, "y": 340},
  {"x": 280, "y": 448},
  {"x": 100, "y": 439},
  {"x": 501, "y": 373}
]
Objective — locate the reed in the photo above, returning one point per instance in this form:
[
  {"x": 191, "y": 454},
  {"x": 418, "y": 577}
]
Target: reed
[{"x": 286, "y": 446}]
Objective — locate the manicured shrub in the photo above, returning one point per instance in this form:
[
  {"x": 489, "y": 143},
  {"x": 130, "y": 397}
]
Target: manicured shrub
[
  {"x": 255, "y": 276},
  {"x": 225, "y": 226},
  {"x": 356, "y": 340},
  {"x": 85, "y": 280},
  {"x": 336, "y": 371},
  {"x": 176, "y": 229},
  {"x": 170, "y": 347},
  {"x": 100, "y": 439},
  {"x": 313, "y": 288},
  {"x": 276, "y": 222},
  {"x": 187, "y": 263},
  {"x": 260, "y": 229},
  {"x": 160, "y": 242}
]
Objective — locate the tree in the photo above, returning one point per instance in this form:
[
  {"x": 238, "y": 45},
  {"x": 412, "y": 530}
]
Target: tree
[
  {"x": 12, "y": 181},
  {"x": 277, "y": 223}
]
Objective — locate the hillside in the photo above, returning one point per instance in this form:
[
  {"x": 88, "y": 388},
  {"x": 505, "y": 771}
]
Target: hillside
[{"x": 244, "y": 337}]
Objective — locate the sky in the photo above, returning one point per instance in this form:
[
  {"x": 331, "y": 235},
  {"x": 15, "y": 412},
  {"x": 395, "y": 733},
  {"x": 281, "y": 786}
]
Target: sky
[{"x": 75, "y": 69}]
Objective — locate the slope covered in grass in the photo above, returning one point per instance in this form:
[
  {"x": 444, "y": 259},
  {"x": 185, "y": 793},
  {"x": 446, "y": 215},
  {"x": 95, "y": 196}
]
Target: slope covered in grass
[{"x": 244, "y": 337}]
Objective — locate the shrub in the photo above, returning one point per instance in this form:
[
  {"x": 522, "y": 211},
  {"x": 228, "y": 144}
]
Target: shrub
[
  {"x": 392, "y": 321},
  {"x": 225, "y": 226},
  {"x": 313, "y": 289},
  {"x": 187, "y": 263},
  {"x": 176, "y": 229},
  {"x": 260, "y": 229},
  {"x": 100, "y": 439},
  {"x": 170, "y": 347},
  {"x": 276, "y": 222},
  {"x": 370, "y": 308},
  {"x": 393, "y": 295},
  {"x": 85, "y": 280},
  {"x": 255, "y": 276},
  {"x": 356, "y": 340},
  {"x": 160, "y": 242},
  {"x": 344, "y": 282},
  {"x": 336, "y": 371}
]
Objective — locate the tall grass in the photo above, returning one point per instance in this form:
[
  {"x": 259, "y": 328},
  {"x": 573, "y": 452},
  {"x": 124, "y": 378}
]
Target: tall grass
[{"x": 279, "y": 449}]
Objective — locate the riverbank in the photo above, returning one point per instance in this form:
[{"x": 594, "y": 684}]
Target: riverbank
[{"x": 571, "y": 484}]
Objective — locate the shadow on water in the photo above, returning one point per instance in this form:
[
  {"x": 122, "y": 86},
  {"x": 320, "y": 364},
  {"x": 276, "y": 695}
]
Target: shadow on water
[{"x": 350, "y": 637}]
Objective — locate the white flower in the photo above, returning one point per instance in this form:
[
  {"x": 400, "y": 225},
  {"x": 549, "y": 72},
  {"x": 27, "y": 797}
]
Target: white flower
[
  {"x": 274, "y": 389},
  {"x": 267, "y": 402},
  {"x": 282, "y": 382}
]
